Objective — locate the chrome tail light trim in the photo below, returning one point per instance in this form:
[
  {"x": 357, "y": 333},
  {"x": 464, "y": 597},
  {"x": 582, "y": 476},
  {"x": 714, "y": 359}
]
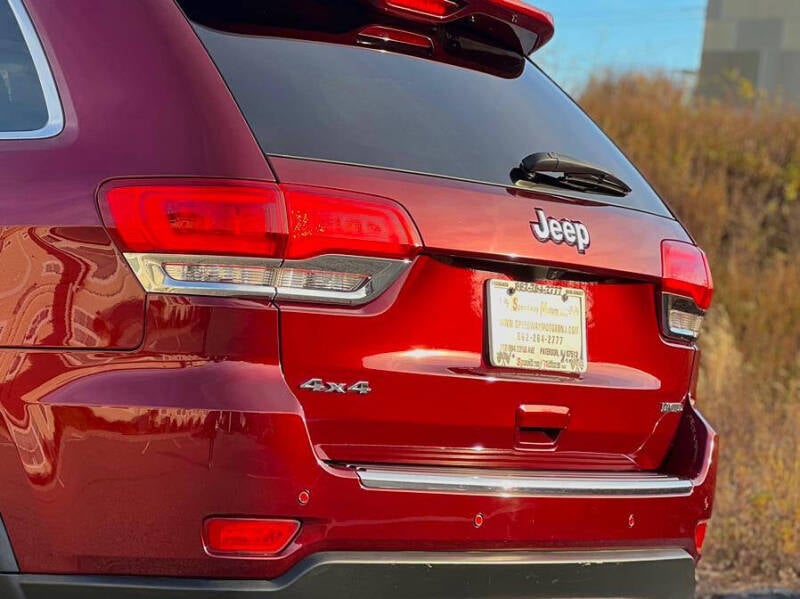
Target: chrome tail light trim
[{"x": 279, "y": 278}]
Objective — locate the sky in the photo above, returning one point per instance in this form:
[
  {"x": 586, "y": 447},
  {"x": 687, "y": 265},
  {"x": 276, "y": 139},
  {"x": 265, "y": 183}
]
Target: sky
[{"x": 621, "y": 35}]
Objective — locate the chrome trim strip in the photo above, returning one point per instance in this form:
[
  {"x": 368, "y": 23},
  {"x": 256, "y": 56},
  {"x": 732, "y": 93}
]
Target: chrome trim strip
[
  {"x": 585, "y": 557},
  {"x": 382, "y": 273},
  {"x": 149, "y": 269},
  {"x": 523, "y": 484},
  {"x": 55, "y": 113}
]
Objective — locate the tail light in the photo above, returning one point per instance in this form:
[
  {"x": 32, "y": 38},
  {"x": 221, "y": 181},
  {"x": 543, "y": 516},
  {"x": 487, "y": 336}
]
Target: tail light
[
  {"x": 532, "y": 26},
  {"x": 328, "y": 222},
  {"x": 378, "y": 36},
  {"x": 215, "y": 219},
  {"x": 263, "y": 240},
  {"x": 247, "y": 537},
  {"x": 687, "y": 289},
  {"x": 431, "y": 8}
]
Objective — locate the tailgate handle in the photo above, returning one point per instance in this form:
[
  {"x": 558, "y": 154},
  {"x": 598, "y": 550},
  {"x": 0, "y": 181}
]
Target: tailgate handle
[{"x": 540, "y": 425}]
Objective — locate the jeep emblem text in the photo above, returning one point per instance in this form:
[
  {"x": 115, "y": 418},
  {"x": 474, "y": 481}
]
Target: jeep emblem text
[{"x": 572, "y": 232}]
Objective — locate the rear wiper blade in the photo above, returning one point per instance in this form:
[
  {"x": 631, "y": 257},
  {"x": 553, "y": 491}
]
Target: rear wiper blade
[{"x": 552, "y": 168}]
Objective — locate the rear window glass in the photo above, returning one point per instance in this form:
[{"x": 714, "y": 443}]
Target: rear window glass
[
  {"x": 22, "y": 103},
  {"x": 349, "y": 104}
]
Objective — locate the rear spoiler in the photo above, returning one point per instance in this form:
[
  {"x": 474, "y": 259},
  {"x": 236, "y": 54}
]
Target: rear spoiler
[{"x": 532, "y": 26}]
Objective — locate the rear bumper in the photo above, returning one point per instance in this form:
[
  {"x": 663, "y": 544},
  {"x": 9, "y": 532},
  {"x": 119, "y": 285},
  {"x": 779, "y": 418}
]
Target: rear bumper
[
  {"x": 112, "y": 469},
  {"x": 664, "y": 573},
  {"x": 144, "y": 518}
]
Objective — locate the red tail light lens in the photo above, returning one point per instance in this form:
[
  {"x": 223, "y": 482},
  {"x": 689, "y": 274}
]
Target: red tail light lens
[
  {"x": 533, "y": 27},
  {"x": 233, "y": 239},
  {"x": 248, "y": 537},
  {"x": 686, "y": 272},
  {"x": 434, "y": 8},
  {"x": 324, "y": 222},
  {"x": 388, "y": 37},
  {"x": 687, "y": 289},
  {"x": 202, "y": 219}
]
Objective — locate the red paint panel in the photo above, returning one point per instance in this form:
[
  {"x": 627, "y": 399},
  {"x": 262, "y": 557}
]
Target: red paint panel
[
  {"x": 67, "y": 287},
  {"x": 64, "y": 283},
  {"x": 423, "y": 347},
  {"x": 463, "y": 218},
  {"x": 136, "y": 450}
]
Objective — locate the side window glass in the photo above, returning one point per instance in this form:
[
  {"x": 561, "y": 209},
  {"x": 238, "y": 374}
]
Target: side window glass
[{"x": 24, "y": 108}]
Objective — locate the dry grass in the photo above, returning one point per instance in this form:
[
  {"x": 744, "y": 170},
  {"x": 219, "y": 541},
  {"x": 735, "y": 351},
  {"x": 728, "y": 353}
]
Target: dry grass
[{"x": 732, "y": 173}]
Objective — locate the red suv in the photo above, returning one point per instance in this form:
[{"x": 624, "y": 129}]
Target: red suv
[{"x": 333, "y": 298}]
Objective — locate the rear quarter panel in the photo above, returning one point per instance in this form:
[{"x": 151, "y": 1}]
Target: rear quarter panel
[
  {"x": 139, "y": 93},
  {"x": 89, "y": 420}
]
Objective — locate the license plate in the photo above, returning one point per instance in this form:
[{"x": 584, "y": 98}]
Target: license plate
[{"x": 537, "y": 327}]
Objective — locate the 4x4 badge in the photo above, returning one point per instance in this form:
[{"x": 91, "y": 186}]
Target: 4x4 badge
[
  {"x": 320, "y": 386},
  {"x": 571, "y": 232}
]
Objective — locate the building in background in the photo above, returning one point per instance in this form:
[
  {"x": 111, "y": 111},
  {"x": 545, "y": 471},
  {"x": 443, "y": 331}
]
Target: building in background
[{"x": 757, "y": 41}]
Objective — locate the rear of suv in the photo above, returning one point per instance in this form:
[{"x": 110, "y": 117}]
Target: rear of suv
[{"x": 321, "y": 298}]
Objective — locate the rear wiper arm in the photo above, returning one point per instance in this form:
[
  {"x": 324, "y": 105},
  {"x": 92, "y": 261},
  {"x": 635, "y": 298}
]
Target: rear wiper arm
[{"x": 551, "y": 168}]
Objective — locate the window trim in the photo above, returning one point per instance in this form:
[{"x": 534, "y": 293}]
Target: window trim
[{"x": 55, "y": 113}]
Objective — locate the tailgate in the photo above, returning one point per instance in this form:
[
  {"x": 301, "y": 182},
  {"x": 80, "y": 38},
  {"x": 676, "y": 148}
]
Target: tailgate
[{"x": 423, "y": 347}]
